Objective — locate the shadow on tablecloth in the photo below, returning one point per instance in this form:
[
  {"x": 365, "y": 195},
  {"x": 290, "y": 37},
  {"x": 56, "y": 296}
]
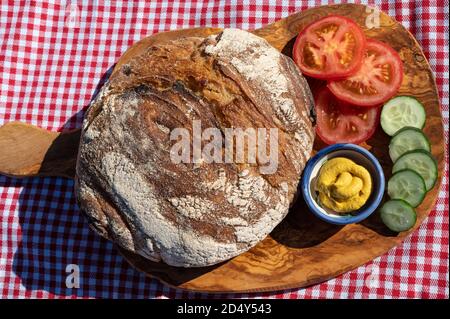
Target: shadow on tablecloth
[{"x": 53, "y": 238}]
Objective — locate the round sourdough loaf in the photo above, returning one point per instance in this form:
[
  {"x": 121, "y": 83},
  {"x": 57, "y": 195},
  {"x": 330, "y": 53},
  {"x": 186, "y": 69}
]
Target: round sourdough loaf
[{"x": 193, "y": 214}]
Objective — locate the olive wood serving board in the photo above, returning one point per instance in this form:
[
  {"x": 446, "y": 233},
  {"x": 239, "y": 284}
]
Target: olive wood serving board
[{"x": 302, "y": 250}]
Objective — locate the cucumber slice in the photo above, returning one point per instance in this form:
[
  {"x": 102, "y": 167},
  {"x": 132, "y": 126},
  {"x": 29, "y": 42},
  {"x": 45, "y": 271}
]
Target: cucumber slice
[
  {"x": 407, "y": 139},
  {"x": 398, "y": 215},
  {"x": 422, "y": 162},
  {"x": 402, "y": 111},
  {"x": 408, "y": 186}
]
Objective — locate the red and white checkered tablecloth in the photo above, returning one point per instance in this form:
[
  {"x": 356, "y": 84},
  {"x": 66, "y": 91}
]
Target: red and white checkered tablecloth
[{"x": 53, "y": 54}]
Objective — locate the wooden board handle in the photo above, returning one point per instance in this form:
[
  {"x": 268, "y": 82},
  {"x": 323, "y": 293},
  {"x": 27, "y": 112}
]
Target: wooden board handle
[{"x": 27, "y": 150}]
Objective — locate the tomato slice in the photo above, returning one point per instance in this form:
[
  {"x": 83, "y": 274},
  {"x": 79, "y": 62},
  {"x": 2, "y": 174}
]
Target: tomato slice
[
  {"x": 340, "y": 122},
  {"x": 330, "y": 48},
  {"x": 378, "y": 79}
]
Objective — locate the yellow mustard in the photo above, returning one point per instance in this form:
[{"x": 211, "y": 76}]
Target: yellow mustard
[{"x": 343, "y": 186}]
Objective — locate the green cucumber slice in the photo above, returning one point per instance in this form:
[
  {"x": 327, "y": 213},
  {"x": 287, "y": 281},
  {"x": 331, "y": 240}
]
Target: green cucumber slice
[
  {"x": 407, "y": 139},
  {"x": 402, "y": 111},
  {"x": 408, "y": 186},
  {"x": 398, "y": 215},
  {"x": 422, "y": 162}
]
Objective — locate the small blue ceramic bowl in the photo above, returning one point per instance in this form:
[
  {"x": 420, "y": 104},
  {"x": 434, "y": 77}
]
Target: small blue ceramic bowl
[{"x": 361, "y": 157}]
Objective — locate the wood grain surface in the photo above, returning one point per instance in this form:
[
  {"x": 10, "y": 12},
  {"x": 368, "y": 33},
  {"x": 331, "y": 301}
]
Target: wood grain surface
[
  {"x": 27, "y": 150},
  {"x": 302, "y": 250}
]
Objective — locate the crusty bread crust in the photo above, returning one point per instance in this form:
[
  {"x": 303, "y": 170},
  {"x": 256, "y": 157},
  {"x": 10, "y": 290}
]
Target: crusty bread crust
[{"x": 192, "y": 215}]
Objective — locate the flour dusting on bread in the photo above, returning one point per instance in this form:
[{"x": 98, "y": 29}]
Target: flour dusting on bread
[
  {"x": 257, "y": 61},
  {"x": 187, "y": 214}
]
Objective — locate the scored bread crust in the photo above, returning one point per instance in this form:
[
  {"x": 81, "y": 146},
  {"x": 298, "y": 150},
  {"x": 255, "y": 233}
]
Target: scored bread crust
[{"x": 185, "y": 214}]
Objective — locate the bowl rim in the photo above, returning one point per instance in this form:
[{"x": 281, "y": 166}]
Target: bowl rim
[{"x": 339, "y": 220}]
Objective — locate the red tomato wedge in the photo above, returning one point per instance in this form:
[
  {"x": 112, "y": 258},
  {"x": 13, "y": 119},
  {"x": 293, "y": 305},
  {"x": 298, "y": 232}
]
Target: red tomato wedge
[
  {"x": 340, "y": 122},
  {"x": 330, "y": 48},
  {"x": 378, "y": 79}
]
